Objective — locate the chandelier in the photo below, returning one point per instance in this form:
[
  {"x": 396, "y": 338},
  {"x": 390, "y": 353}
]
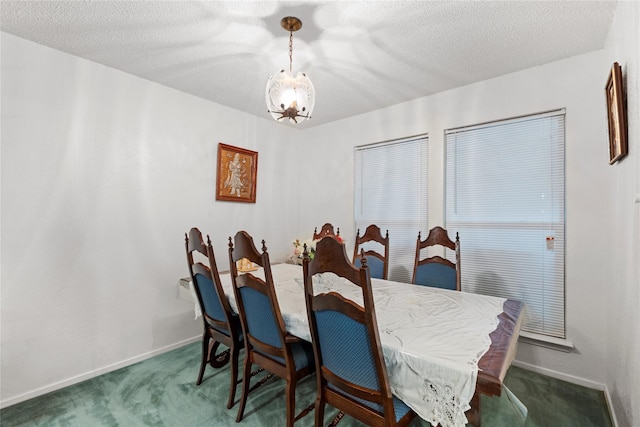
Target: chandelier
[{"x": 290, "y": 97}]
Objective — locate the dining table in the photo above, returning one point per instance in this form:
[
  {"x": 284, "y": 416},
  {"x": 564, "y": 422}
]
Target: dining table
[{"x": 442, "y": 348}]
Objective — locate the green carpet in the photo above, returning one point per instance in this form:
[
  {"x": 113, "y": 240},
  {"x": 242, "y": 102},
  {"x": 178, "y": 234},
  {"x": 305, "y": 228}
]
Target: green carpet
[{"x": 161, "y": 391}]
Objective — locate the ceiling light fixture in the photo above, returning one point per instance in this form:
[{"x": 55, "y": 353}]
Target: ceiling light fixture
[{"x": 290, "y": 97}]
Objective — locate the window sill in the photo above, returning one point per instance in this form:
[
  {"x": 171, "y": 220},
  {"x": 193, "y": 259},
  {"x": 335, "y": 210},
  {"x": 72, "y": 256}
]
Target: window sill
[{"x": 545, "y": 341}]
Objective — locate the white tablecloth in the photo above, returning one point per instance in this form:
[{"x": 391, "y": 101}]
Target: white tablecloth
[{"x": 432, "y": 339}]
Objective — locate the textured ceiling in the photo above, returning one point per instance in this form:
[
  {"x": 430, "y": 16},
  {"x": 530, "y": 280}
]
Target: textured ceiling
[{"x": 361, "y": 56}]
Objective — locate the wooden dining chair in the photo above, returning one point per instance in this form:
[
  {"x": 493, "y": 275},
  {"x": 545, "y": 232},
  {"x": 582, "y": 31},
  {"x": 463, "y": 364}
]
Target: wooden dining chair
[
  {"x": 350, "y": 370},
  {"x": 221, "y": 324},
  {"x": 377, "y": 262},
  {"x": 326, "y": 230},
  {"x": 267, "y": 343},
  {"x": 436, "y": 271}
]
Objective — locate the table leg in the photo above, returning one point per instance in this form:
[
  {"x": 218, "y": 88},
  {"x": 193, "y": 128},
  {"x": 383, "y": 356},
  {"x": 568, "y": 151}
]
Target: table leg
[{"x": 473, "y": 414}]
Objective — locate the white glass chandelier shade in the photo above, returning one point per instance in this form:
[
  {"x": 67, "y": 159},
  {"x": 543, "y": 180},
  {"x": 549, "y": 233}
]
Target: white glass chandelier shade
[{"x": 289, "y": 97}]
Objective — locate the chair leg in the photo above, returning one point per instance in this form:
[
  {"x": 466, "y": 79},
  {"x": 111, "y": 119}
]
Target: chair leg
[
  {"x": 246, "y": 375},
  {"x": 205, "y": 356},
  {"x": 319, "y": 412},
  {"x": 235, "y": 351},
  {"x": 291, "y": 402}
]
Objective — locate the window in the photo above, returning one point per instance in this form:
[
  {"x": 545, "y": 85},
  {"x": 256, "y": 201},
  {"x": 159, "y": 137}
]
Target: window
[
  {"x": 504, "y": 194},
  {"x": 391, "y": 192}
]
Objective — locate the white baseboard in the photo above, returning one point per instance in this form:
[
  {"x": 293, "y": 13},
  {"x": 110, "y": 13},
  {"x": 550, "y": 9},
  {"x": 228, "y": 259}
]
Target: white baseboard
[
  {"x": 559, "y": 375},
  {"x": 92, "y": 374},
  {"x": 612, "y": 413},
  {"x": 574, "y": 380}
]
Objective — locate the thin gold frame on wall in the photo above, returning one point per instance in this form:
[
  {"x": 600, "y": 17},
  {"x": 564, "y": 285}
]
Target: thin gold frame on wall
[
  {"x": 237, "y": 174},
  {"x": 617, "y": 114}
]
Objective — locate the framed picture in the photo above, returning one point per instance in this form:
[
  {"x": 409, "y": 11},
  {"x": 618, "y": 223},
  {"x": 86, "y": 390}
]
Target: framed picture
[
  {"x": 617, "y": 114},
  {"x": 237, "y": 174}
]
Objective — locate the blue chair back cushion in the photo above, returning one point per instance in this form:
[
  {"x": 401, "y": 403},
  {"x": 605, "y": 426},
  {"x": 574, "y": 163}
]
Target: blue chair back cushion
[
  {"x": 209, "y": 296},
  {"x": 436, "y": 275},
  {"x": 346, "y": 349},
  {"x": 261, "y": 321},
  {"x": 376, "y": 266}
]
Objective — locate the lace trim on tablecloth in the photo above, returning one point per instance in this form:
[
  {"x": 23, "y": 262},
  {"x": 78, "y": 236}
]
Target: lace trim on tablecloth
[{"x": 444, "y": 404}]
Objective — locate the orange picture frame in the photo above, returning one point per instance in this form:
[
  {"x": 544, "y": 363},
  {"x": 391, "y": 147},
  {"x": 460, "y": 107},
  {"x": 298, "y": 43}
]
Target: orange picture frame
[
  {"x": 616, "y": 114},
  {"x": 237, "y": 173}
]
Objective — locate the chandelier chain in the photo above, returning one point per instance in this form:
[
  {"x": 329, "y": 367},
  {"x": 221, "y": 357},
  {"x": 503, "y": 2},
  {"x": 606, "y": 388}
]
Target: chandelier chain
[{"x": 290, "y": 51}]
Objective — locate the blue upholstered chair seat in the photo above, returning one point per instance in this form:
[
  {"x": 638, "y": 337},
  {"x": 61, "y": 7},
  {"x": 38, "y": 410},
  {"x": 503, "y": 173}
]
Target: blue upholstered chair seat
[
  {"x": 225, "y": 331},
  {"x": 302, "y": 355},
  {"x": 399, "y": 407}
]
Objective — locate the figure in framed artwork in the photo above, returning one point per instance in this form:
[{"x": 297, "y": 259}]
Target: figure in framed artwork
[{"x": 235, "y": 176}]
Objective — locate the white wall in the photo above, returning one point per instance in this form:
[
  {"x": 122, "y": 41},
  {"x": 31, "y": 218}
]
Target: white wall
[
  {"x": 623, "y": 237},
  {"x": 102, "y": 174}
]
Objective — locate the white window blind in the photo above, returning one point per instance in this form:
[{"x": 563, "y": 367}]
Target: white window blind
[
  {"x": 391, "y": 192},
  {"x": 505, "y": 193}
]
